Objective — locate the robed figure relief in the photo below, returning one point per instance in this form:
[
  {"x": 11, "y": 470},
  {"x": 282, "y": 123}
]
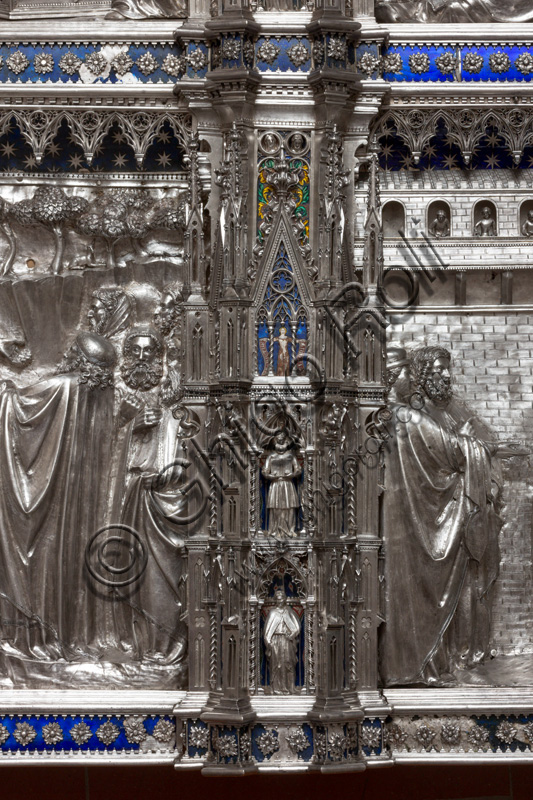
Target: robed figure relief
[
  {"x": 147, "y": 9},
  {"x": 441, "y": 523},
  {"x": 57, "y": 434},
  {"x": 154, "y": 505},
  {"x": 453, "y": 11},
  {"x": 282, "y": 631},
  {"x": 281, "y": 469}
]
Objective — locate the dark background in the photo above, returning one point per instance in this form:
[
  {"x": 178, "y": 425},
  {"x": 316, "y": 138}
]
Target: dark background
[{"x": 159, "y": 783}]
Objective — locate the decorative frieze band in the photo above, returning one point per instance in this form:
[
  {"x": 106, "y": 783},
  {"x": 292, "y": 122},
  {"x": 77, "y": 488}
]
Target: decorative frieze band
[{"x": 86, "y": 733}]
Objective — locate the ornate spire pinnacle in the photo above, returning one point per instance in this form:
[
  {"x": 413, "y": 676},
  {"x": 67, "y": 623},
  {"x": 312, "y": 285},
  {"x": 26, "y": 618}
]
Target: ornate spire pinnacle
[{"x": 373, "y": 250}]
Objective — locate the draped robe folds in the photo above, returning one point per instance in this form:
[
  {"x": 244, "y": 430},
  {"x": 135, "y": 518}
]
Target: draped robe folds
[
  {"x": 54, "y": 451},
  {"x": 441, "y": 542},
  {"x": 282, "y": 628},
  {"x": 152, "y": 604},
  {"x": 146, "y": 9},
  {"x": 280, "y": 469},
  {"x": 12, "y": 337},
  {"x": 454, "y": 11}
]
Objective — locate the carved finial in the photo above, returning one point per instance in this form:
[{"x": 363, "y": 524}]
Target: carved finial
[
  {"x": 373, "y": 147},
  {"x": 373, "y": 251}
]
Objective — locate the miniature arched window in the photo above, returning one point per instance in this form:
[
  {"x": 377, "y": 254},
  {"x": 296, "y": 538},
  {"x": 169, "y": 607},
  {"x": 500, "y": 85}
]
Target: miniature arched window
[
  {"x": 393, "y": 216},
  {"x": 525, "y": 219},
  {"x": 282, "y": 327},
  {"x": 485, "y": 219},
  {"x": 439, "y": 220},
  {"x": 232, "y": 663}
]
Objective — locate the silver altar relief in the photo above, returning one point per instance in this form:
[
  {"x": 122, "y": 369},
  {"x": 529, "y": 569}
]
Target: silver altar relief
[
  {"x": 438, "y": 11},
  {"x": 455, "y": 548},
  {"x": 265, "y": 383}
]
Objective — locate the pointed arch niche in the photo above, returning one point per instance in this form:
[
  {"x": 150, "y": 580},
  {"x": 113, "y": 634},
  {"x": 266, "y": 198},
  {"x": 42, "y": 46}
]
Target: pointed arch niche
[
  {"x": 282, "y": 322},
  {"x": 282, "y": 574}
]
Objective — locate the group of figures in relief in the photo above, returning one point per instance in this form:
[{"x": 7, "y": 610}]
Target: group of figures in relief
[
  {"x": 441, "y": 524},
  {"x": 429, "y": 11},
  {"x": 95, "y": 491},
  {"x": 90, "y": 563},
  {"x": 99, "y": 449},
  {"x": 453, "y": 11}
]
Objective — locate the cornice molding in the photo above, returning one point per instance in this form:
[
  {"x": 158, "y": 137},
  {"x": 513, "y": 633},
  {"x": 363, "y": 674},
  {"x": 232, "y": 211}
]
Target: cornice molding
[
  {"x": 91, "y": 30},
  {"x": 463, "y": 33}
]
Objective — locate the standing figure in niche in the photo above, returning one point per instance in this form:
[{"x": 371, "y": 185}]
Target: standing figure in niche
[
  {"x": 527, "y": 227},
  {"x": 487, "y": 224},
  {"x": 284, "y": 358},
  {"x": 281, "y": 468},
  {"x": 440, "y": 227},
  {"x": 282, "y": 629}
]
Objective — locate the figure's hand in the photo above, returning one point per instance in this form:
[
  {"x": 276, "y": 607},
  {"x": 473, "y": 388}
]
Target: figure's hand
[
  {"x": 468, "y": 429},
  {"x": 6, "y": 385},
  {"x": 129, "y": 408},
  {"x": 148, "y": 418}
]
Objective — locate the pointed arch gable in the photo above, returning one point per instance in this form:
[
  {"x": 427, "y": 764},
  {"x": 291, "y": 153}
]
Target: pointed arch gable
[
  {"x": 282, "y": 235},
  {"x": 280, "y": 566},
  {"x": 279, "y": 352}
]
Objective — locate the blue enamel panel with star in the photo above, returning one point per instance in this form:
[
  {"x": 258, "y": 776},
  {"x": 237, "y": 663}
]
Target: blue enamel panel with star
[
  {"x": 88, "y": 63},
  {"x": 490, "y": 63},
  {"x": 88, "y": 732},
  {"x": 282, "y": 61}
]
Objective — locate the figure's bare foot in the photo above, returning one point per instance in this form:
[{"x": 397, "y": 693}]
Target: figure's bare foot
[{"x": 443, "y": 681}]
